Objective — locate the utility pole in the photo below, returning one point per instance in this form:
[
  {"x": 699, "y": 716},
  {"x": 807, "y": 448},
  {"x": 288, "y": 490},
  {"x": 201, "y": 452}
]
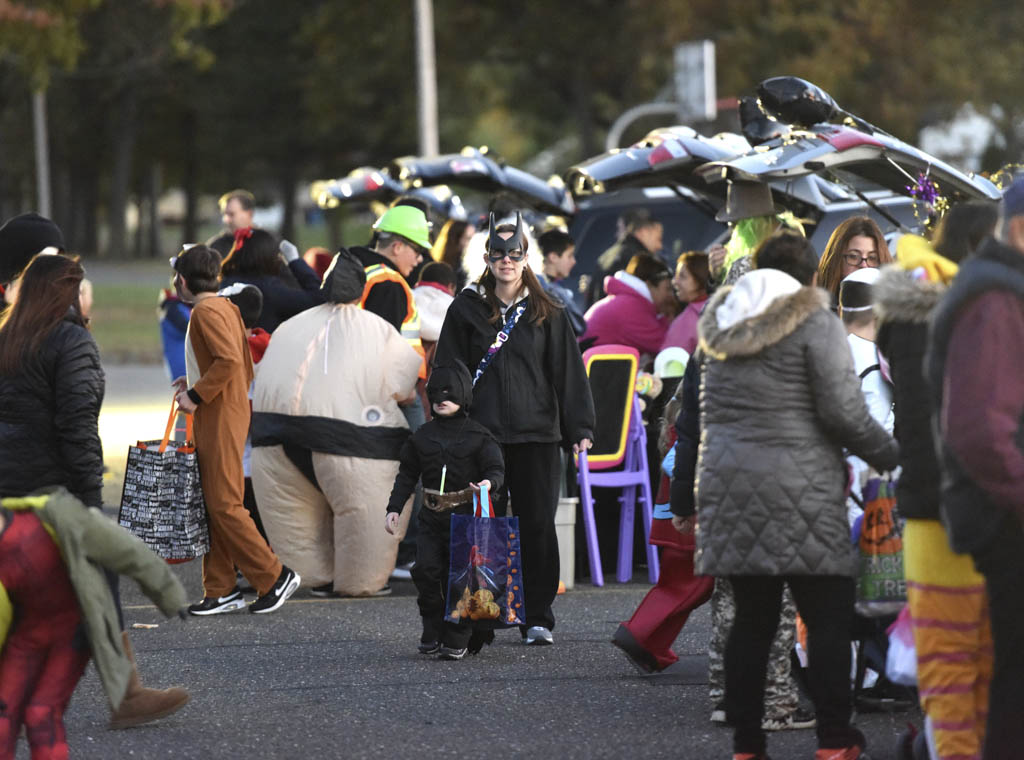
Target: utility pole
[
  {"x": 42, "y": 152},
  {"x": 695, "y": 92},
  {"x": 426, "y": 77}
]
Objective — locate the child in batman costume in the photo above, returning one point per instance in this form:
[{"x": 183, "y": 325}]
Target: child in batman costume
[{"x": 455, "y": 456}]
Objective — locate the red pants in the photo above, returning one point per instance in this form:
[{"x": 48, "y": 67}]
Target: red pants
[
  {"x": 44, "y": 654},
  {"x": 663, "y": 612}
]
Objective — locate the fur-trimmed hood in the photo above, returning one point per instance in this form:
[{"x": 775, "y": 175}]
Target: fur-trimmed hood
[
  {"x": 900, "y": 297},
  {"x": 754, "y": 334}
]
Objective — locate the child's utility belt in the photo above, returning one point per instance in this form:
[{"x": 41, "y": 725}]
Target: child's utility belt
[{"x": 443, "y": 502}]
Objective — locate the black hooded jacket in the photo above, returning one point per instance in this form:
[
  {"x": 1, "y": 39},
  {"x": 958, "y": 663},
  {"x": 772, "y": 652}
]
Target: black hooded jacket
[
  {"x": 466, "y": 447},
  {"x": 536, "y": 389},
  {"x": 903, "y": 306},
  {"x": 49, "y": 411},
  {"x": 282, "y": 301},
  {"x": 684, "y": 472}
]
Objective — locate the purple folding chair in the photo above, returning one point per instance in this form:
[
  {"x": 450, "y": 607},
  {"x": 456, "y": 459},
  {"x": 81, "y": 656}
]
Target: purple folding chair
[{"x": 632, "y": 454}]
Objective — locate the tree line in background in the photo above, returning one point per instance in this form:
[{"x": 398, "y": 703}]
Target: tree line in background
[{"x": 207, "y": 95}]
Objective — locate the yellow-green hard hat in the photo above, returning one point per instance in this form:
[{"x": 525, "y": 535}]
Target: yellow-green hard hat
[{"x": 406, "y": 221}]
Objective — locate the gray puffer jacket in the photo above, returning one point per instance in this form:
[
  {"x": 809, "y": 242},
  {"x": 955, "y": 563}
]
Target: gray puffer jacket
[{"x": 779, "y": 402}]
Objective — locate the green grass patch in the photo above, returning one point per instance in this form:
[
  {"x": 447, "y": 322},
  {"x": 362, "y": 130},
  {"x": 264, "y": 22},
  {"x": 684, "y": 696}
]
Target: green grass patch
[{"x": 125, "y": 322}]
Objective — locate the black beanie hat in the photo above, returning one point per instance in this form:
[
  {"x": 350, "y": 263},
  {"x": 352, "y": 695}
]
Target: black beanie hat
[
  {"x": 450, "y": 382},
  {"x": 344, "y": 279},
  {"x": 21, "y": 238}
]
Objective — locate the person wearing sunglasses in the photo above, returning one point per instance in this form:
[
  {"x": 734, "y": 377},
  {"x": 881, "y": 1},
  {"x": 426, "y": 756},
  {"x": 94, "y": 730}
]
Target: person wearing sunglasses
[
  {"x": 855, "y": 244},
  {"x": 530, "y": 390}
]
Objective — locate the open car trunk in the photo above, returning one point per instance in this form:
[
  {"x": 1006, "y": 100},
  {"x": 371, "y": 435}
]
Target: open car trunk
[
  {"x": 852, "y": 158},
  {"x": 477, "y": 170}
]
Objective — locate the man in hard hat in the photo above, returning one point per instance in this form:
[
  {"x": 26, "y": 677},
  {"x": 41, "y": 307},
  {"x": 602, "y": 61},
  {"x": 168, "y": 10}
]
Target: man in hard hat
[{"x": 401, "y": 239}]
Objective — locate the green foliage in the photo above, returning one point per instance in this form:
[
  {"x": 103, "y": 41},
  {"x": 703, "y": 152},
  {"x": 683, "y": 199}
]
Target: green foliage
[
  {"x": 264, "y": 94},
  {"x": 898, "y": 63},
  {"x": 125, "y": 320},
  {"x": 43, "y": 35}
]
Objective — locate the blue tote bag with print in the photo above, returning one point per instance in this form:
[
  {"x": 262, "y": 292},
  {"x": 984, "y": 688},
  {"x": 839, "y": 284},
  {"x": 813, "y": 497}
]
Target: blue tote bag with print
[{"x": 485, "y": 568}]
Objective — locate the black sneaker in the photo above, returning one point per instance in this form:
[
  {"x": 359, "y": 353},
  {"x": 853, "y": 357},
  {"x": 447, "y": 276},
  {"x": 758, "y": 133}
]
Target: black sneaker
[
  {"x": 449, "y": 653},
  {"x": 324, "y": 591},
  {"x": 216, "y": 605},
  {"x": 286, "y": 585},
  {"x": 430, "y": 647}
]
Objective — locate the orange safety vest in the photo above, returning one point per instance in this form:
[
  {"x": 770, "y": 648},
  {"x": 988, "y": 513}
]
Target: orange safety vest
[{"x": 378, "y": 273}]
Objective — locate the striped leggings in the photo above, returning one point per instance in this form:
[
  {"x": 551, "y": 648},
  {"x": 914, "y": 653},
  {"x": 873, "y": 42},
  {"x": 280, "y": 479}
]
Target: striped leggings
[{"x": 953, "y": 637}]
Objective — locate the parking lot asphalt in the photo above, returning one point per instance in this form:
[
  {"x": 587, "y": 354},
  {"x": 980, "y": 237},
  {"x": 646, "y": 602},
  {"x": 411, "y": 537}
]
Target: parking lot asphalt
[{"x": 341, "y": 678}]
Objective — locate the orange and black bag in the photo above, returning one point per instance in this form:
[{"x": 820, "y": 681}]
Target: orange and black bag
[
  {"x": 881, "y": 585},
  {"x": 162, "y": 500}
]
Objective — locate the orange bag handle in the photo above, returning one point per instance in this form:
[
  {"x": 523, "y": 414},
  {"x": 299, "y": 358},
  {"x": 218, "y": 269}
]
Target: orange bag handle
[{"x": 170, "y": 426}]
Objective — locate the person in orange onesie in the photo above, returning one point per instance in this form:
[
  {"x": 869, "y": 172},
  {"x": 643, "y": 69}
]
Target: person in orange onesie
[{"x": 219, "y": 371}]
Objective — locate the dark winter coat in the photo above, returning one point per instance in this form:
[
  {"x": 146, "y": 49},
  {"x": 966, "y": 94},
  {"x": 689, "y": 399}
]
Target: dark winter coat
[
  {"x": 536, "y": 388},
  {"x": 281, "y": 300},
  {"x": 779, "y": 402},
  {"x": 903, "y": 306},
  {"x": 684, "y": 470},
  {"x": 466, "y": 447},
  {"x": 980, "y": 448},
  {"x": 387, "y": 299},
  {"x": 49, "y": 412}
]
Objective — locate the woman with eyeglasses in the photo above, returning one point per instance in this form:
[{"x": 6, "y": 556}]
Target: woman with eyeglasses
[
  {"x": 530, "y": 390},
  {"x": 854, "y": 244}
]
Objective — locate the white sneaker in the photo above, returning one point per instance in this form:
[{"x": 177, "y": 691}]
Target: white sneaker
[
  {"x": 538, "y": 635},
  {"x": 403, "y": 572}
]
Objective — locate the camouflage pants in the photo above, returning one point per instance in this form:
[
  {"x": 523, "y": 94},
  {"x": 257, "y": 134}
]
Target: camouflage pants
[{"x": 780, "y": 690}]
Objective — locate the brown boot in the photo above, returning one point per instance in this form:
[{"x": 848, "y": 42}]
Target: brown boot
[{"x": 141, "y": 705}]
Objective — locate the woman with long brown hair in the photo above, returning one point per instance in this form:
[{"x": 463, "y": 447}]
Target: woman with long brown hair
[
  {"x": 450, "y": 247},
  {"x": 51, "y": 390},
  {"x": 854, "y": 244},
  {"x": 51, "y": 386},
  {"x": 530, "y": 390}
]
